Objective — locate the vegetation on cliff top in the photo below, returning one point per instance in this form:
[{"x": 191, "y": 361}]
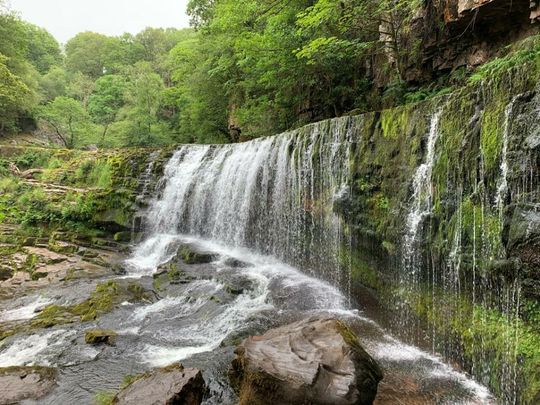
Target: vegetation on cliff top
[{"x": 258, "y": 67}]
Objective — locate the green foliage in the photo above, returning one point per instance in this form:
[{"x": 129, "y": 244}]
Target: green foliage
[
  {"x": 54, "y": 84},
  {"x": 529, "y": 54},
  {"x": 69, "y": 121},
  {"x": 43, "y": 51},
  {"x": 32, "y": 158},
  {"x": 13, "y": 96}
]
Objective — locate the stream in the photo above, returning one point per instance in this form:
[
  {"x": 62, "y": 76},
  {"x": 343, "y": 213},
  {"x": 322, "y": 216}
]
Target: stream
[{"x": 196, "y": 323}]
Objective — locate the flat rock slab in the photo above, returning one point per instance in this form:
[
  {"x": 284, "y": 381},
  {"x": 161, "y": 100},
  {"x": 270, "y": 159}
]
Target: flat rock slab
[
  {"x": 20, "y": 383},
  {"x": 172, "y": 385},
  {"x": 314, "y": 361}
]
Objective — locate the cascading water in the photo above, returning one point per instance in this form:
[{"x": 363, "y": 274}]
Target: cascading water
[
  {"x": 421, "y": 204},
  {"x": 274, "y": 195},
  {"x": 502, "y": 188}
]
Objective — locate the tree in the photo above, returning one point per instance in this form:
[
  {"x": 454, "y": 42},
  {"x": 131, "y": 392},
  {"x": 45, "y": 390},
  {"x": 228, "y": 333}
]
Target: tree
[
  {"x": 13, "y": 95},
  {"x": 53, "y": 84},
  {"x": 43, "y": 51},
  {"x": 106, "y": 101},
  {"x": 144, "y": 93},
  {"x": 80, "y": 87},
  {"x": 68, "y": 119},
  {"x": 18, "y": 79},
  {"x": 88, "y": 53}
]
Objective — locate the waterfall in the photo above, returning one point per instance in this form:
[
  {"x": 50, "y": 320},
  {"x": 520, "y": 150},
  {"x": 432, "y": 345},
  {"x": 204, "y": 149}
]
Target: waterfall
[
  {"x": 422, "y": 197},
  {"x": 275, "y": 195},
  {"x": 502, "y": 188}
]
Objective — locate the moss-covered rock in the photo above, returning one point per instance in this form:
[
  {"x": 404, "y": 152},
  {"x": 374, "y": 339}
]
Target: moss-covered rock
[
  {"x": 102, "y": 300},
  {"x": 100, "y": 336},
  {"x": 191, "y": 255}
]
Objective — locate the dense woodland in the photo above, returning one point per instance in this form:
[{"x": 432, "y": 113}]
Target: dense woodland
[{"x": 256, "y": 67}]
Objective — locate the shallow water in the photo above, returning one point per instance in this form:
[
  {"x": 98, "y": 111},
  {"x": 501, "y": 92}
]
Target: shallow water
[{"x": 191, "y": 322}]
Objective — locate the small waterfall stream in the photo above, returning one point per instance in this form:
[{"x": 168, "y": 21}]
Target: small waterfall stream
[
  {"x": 421, "y": 201},
  {"x": 502, "y": 188}
]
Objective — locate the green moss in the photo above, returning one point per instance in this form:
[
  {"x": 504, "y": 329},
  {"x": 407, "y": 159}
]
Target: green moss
[
  {"x": 175, "y": 274},
  {"x": 359, "y": 268},
  {"x": 394, "y": 122},
  {"x": 105, "y": 398},
  {"x": 491, "y": 136},
  {"x": 484, "y": 335},
  {"x": 102, "y": 300},
  {"x": 190, "y": 256}
]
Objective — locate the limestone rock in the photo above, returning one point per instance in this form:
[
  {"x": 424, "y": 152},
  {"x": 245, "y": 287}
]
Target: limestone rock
[
  {"x": 20, "y": 383},
  {"x": 316, "y": 361},
  {"x": 172, "y": 385}
]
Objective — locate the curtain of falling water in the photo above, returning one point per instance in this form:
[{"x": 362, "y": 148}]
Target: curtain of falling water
[{"x": 275, "y": 195}]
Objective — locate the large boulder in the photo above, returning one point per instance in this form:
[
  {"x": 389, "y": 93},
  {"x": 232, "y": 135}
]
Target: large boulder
[
  {"x": 173, "y": 385},
  {"x": 315, "y": 361},
  {"x": 21, "y": 383}
]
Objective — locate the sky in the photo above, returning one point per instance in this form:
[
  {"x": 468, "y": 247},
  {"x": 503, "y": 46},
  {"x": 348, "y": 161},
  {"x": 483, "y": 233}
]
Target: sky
[{"x": 65, "y": 18}]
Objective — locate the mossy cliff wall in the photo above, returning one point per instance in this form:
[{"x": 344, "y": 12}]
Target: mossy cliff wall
[{"x": 477, "y": 286}]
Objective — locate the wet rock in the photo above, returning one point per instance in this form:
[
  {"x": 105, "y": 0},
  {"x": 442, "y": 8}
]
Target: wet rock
[
  {"x": 122, "y": 236},
  {"x": 22, "y": 383},
  {"x": 63, "y": 247},
  {"x": 191, "y": 255},
  {"x": 316, "y": 361},
  {"x": 171, "y": 386},
  {"x": 238, "y": 285},
  {"x": 100, "y": 336},
  {"x": 5, "y": 273},
  {"x": 236, "y": 264},
  {"x": 522, "y": 238}
]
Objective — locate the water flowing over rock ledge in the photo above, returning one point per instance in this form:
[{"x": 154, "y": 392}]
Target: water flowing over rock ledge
[
  {"x": 423, "y": 204},
  {"x": 431, "y": 208}
]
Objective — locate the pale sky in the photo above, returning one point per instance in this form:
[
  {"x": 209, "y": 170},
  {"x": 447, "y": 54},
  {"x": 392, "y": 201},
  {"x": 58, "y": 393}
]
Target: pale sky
[{"x": 65, "y": 18}]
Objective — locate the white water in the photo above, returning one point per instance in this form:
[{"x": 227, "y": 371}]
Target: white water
[
  {"x": 37, "y": 349},
  {"x": 273, "y": 195},
  {"x": 299, "y": 293},
  {"x": 421, "y": 205},
  {"x": 502, "y": 188},
  {"x": 26, "y": 311},
  {"x": 269, "y": 277}
]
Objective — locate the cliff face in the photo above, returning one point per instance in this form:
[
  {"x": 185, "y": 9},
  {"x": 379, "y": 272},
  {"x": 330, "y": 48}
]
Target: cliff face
[
  {"x": 444, "y": 217},
  {"x": 455, "y": 34}
]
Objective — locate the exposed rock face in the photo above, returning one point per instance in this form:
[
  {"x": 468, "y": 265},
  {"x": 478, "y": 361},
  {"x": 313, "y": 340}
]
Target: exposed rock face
[
  {"x": 524, "y": 243},
  {"x": 172, "y": 385},
  {"x": 465, "y": 33},
  {"x": 316, "y": 361},
  {"x": 20, "y": 383}
]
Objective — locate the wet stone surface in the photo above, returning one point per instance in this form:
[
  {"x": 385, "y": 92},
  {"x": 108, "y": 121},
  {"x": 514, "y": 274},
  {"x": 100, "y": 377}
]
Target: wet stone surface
[{"x": 198, "y": 314}]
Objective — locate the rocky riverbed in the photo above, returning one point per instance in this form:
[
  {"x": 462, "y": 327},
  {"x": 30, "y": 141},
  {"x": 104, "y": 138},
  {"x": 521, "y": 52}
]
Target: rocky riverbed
[{"x": 194, "y": 308}]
